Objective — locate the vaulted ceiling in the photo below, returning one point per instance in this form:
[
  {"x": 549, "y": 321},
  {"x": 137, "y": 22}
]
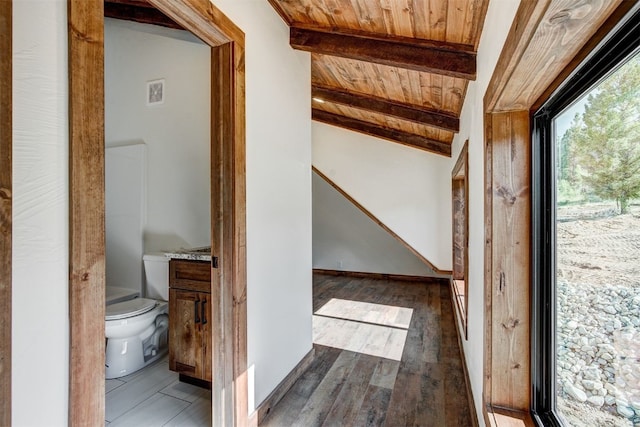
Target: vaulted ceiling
[{"x": 394, "y": 69}]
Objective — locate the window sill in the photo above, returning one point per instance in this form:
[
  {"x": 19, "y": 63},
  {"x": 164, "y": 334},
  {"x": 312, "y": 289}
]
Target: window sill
[{"x": 501, "y": 417}]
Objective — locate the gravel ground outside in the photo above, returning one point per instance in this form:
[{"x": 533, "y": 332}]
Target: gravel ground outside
[{"x": 598, "y": 270}]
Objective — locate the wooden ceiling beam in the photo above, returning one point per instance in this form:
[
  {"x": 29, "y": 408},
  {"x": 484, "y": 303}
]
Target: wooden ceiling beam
[
  {"x": 393, "y": 135},
  {"x": 413, "y": 113},
  {"x": 448, "y": 59},
  {"x": 138, "y": 11}
]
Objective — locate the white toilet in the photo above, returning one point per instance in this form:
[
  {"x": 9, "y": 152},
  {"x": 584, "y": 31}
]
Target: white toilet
[{"x": 137, "y": 328}]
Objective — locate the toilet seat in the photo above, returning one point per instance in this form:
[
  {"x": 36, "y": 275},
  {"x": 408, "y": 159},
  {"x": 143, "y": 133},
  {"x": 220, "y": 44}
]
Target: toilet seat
[{"x": 130, "y": 308}]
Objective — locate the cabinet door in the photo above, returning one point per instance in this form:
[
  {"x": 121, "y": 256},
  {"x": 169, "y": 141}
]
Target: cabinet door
[{"x": 185, "y": 338}]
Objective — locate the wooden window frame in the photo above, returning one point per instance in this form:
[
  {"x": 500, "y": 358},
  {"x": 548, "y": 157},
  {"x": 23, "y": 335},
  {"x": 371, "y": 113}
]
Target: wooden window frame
[
  {"x": 531, "y": 67},
  {"x": 460, "y": 183},
  {"x": 6, "y": 197},
  {"x": 87, "y": 216},
  {"x": 618, "y": 47}
]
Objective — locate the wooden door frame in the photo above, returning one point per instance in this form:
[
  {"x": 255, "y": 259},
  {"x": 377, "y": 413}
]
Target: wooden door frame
[
  {"x": 5, "y": 208},
  {"x": 86, "y": 210}
]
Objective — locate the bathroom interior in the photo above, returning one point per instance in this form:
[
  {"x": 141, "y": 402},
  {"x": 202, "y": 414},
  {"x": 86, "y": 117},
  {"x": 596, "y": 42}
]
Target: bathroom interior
[{"x": 157, "y": 138}]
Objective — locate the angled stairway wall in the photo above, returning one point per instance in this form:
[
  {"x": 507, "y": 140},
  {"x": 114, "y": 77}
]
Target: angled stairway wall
[
  {"x": 346, "y": 239},
  {"x": 407, "y": 190}
]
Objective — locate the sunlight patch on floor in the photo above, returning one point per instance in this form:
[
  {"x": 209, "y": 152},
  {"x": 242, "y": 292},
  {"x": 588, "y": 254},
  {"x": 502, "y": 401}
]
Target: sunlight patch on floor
[{"x": 373, "y": 329}]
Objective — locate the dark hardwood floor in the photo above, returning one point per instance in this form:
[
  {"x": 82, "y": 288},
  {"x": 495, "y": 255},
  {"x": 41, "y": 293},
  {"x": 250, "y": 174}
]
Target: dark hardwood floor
[{"x": 344, "y": 388}]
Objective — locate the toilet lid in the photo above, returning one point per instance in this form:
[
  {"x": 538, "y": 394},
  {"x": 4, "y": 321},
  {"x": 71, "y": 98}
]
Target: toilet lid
[{"x": 130, "y": 308}]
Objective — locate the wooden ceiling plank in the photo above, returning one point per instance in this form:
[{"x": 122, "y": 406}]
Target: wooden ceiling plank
[
  {"x": 409, "y": 112},
  {"x": 340, "y": 16},
  {"x": 436, "y": 88},
  {"x": 441, "y": 58},
  {"x": 478, "y": 23},
  {"x": 458, "y": 25},
  {"x": 402, "y": 13},
  {"x": 396, "y": 84},
  {"x": 410, "y": 86},
  {"x": 384, "y": 82},
  {"x": 389, "y": 18},
  {"x": 421, "y": 19},
  {"x": 437, "y": 20},
  {"x": 370, "y": 16},
  {"x": 453, "y": 95},
  {"x": 388, "y": 122},
  {"x": 136, "y": 11},
  {"x": 425, "y": 91},
  {"x": 404, "y": 138}
]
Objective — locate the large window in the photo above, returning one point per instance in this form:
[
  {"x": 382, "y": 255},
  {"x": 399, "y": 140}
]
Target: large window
[{"x": 586, "y": 242}]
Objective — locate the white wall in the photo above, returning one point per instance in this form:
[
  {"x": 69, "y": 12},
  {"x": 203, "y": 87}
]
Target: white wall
[
  {"x": 40, "y": 337},
  {"x": 176, "y": 133},
  {"x": 496, "y": 27},
  {"x": 346, "y": 239},
  {"x": 278, "y": 194},
  {"x": 125, "y": 202},
  {"x": 409, "y": 190}
]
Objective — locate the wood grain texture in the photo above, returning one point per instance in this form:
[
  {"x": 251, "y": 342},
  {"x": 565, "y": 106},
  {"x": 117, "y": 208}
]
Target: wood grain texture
[
  {"x": 447, "y": 60},
  {"x": 453, "y": 21},
  {"x": 190, "y": 319},
  {"x": 426, "y": 387},
  {"x": 138, "y": 11},
  {"x": 222, "y": 232},
  {"x": 229, "y": 235},
  {"x": 522, "y": 30},
  {"x": 6, "y": 217},
  {"x": 285, "y": 385},
  {"x": 185, "y": 349},
  {"x": 380, "y": 131},
  {"x": 380, "y": 223},
  {"x": 509, "y": 292},
  {"x": 436, "y": 92},
  {"x": 86, "y": 212},
  {"x": 586, "y": 49},
  {"x": 238, "y": 212},
  {"x": 190, "y": 275},
  {"x": 441, "y": 137},
  {"x": 397, "y": 110},
  {"x": 488, "y": 265},
  {"x": 203, "y": 19},
  {"x": 545, "y": 37},
  {"x": 499, "y": 417}
]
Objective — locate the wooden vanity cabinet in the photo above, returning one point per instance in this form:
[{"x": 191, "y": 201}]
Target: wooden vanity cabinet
[{"x": 190, "y": 318}]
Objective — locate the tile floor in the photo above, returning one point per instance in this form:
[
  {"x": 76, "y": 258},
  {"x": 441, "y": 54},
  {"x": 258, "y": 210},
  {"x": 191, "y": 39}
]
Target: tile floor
[{"x": 153, "y": 397}]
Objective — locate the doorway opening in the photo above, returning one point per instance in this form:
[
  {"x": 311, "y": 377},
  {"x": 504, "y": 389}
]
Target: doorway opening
[
  {"x": 157, "y": 187},
  {"x": 87, "y": 213}
]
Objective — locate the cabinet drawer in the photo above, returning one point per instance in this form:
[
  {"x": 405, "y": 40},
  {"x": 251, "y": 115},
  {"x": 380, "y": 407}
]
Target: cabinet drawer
[{"x": 190, "y": 275}]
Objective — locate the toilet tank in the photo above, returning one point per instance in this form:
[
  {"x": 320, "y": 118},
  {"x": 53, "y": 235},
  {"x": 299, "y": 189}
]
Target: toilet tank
[{"x": 156, "y": 273}]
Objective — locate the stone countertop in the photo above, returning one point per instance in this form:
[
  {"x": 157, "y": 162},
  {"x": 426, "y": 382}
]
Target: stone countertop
[{"x": 193, "y": 254}]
